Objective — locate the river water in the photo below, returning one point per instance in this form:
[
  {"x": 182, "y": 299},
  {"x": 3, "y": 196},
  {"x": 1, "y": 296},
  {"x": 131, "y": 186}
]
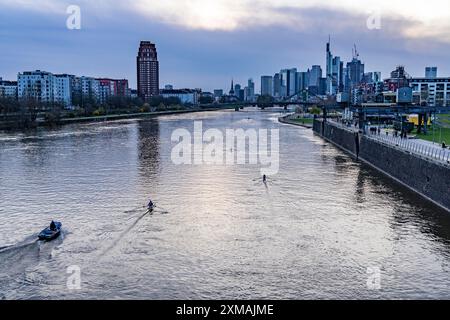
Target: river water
[{"x": 321, "y": 228}]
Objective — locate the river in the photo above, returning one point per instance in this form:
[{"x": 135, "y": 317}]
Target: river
[{"x": 322, "y": 228}]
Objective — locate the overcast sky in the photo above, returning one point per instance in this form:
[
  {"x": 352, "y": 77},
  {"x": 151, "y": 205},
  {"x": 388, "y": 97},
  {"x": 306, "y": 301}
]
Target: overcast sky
[{"x": 205, "y": 43}]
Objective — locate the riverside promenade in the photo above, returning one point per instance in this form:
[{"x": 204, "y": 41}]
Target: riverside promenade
[
  {"x": 411, "y": 144},
  {"x": 422, "y": 167}
]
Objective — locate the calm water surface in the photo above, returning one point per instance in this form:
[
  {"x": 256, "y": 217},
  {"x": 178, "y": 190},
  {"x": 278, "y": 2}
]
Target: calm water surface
[{"x": 312, "y": 232}]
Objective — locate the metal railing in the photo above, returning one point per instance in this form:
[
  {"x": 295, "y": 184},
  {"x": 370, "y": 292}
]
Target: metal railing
[{"x": 429, "y": 151}]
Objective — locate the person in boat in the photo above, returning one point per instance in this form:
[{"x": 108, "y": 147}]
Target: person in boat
[
  {"x": 264, "y": 178},
  {"x": 53, "y": 226},
  {"x": 150, "y": 205}
]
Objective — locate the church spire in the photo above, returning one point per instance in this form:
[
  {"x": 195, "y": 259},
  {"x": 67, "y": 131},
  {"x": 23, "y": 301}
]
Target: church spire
[{"x": 232, "y": 87}]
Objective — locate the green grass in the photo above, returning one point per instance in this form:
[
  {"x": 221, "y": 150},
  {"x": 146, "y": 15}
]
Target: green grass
[
  {"x": 440, "y": 134},
  {"x": 304, "y": 120},
  {"x": 444, "y": 119}
]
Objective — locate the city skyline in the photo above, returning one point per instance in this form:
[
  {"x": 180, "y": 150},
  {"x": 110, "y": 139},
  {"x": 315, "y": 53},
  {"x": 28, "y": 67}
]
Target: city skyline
[{"x": 205, "y": 55}]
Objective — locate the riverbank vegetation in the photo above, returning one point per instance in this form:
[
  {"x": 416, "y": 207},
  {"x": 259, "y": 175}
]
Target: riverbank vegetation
[
  {"x": 303, "y": 120},
  {"x": 18, "y": 114},
  {"x": 439, "y": 135},
  {"x": 439, "y": 132}
]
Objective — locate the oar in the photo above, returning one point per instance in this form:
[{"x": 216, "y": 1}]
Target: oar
[
  {"x": 137, "y": 208},
  {"x": 159, "y": 207},
  {"x": 165, "y": 211}
]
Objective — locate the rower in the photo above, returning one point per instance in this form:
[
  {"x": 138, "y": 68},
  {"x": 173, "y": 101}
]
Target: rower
[
  {"x": 53, "y": 226},
  {"x": 150, "y": 205}
]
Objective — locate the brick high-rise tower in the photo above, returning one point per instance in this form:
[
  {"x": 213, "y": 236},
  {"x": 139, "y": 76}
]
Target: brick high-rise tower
[{"x": 147, "y": 71}]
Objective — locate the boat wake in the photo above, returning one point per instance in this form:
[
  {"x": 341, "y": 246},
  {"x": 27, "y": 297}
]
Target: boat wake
[
  {"x": 16, "y": 259},
  {"x": 124, "y": 233}
]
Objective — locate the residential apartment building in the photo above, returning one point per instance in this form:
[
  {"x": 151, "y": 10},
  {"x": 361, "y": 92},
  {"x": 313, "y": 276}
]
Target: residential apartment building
[
  {"x": 86, "y": 90},
  {"x": 434, "y": 92},
  {"x": 63, "y": 89},
  {"x": 8, "y": 89},
  {"x": 45, "y": 87},
  {"x": 36, "y": 85},
  {"x": 185, "y": 95}
]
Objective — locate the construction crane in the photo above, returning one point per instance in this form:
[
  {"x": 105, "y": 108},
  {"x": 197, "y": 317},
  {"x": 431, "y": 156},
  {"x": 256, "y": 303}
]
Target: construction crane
[{"x": 355, "y": 53}]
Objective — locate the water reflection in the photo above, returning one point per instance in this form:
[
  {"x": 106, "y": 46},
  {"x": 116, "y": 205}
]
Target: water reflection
[
  {"x": 311, "y": 232},
  {"x": 408, "y": 207},
  {"x": 148, "y": 141}
]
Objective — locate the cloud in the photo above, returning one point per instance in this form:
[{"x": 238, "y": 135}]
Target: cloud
[
  {"x": 48, "y": 6},
  {"x": 243, "y": 39},
  {"x": 429, "y": 18}
]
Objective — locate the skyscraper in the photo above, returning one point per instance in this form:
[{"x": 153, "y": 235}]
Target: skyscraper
[
  {"x": 431, "y": 72},
  {"x": 266, "y": 85},
  {"x": 337, "y": 75},
  {"x": 249, "y": 94},
  {"x": 237, "y": 91},
  {"x": 329, "y": 69},
  {"x": 315, "y": 75},
  {"x": 355, "y": 72},
  {"x": 301, "y": 81},
  {"x": 277, "y": 85},
  {"x": 334, "y": 73},
  {"x": 147, "y": 70},
  {"x": 287, "y": 77}
]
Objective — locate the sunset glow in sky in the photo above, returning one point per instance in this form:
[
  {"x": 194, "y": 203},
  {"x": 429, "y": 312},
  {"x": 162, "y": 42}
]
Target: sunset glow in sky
[{"x": 203, "y": 43}]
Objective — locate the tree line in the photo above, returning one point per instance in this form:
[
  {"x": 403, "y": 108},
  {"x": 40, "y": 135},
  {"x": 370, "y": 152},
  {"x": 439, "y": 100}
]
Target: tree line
[{"x": 23, "y": 113}]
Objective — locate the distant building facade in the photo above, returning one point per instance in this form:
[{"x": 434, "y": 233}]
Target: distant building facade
[
  {"x": 314, "y": 76},
  {"x": 334, "y": 72},
  {"x": 434, "y": 92},
  {"x": 266, "y": 85},
  {"x": 186, "y": 96},
  {"x": 249, "y": 91},
  {"x": 45, "y": 87},
  {"x": 431, "y": 72},
  {"x": 277, "y": 85},
  {"x": 108, "y": 88},
  {"x": 218, "y": 93},
  {"x": 85, "y": 90},
  {"x": 355, "y": 73},
  {"x": 8, "y": 89},
  {"x": 147, "y": 70}
]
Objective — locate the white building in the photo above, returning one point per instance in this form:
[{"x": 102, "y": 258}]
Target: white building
[
  {"x": 45, "y": 87},
  {"x": 185, "y": 95},
  {"x": 37, "y": 85},
  {"x": 86, "y": 89},
  {"x": 62, "y": 89},
  {"x": 8, "y": 89},
  {"x": 435, "y": 92}
]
